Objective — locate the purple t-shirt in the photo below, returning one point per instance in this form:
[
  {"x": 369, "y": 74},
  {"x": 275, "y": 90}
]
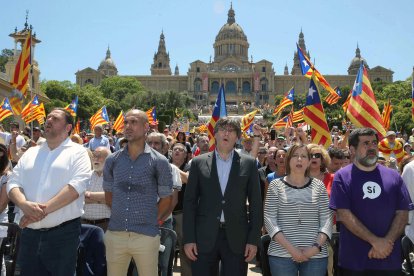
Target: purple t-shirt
[{"x": 373, "y": 197}]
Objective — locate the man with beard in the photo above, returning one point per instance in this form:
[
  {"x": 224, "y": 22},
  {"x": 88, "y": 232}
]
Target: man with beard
[
  {"x": 48, "y": 186},
  {"x": 372, "y": 205}
]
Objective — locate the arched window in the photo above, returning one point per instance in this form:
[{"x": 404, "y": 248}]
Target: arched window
[
  {"x": 197, "y": 85},
  {"x": 263, "y": 84},
  {"x": 246, "y": 87},
  {"x": 214, "y": 87},
  {"x": 231, "y": 87}
]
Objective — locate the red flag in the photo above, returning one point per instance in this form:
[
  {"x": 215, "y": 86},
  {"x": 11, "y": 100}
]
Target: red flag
[
  {"x": 362, "y": 109},
  {"x": 20, "y": 80}
]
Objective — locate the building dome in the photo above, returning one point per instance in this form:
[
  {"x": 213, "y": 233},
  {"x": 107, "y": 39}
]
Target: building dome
[
  {"x": 231, "y": 40},
  {"x": 356, "y": 63},
  {"x": 107, "y": 66}
]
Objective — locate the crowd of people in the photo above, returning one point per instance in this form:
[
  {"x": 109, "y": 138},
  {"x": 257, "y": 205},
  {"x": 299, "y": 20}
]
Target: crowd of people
[{"x": 123, "y": 188}]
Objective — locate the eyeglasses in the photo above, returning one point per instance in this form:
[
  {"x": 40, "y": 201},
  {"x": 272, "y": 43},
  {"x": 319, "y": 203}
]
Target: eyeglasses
[
  {"x": 178, "y": 149},
  {"x": 316, "y": 155},
  {"x": 229, "y": 129}
]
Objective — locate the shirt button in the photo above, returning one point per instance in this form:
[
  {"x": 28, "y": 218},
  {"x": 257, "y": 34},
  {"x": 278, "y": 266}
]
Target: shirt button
[
  {"x": 126, "y": 219},
  {"x": 129, "y": 187},
  {"x": 132, "y": 167},
  {"x": 130, "y": 177},
  {"x": 127, "y": 197},
  {"x": 127, "y": 209}
]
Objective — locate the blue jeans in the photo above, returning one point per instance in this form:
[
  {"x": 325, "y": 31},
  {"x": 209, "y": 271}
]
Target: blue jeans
[
  {"x": 288, "y": 267},
  {"x": 52, "y": 252},
  {"x": 164, "y": 257}
]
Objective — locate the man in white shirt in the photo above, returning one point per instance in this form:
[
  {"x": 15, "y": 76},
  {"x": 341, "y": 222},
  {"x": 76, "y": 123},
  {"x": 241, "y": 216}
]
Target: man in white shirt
[
  {"x": 48, "y": 186},
  {"x": 96, "y": 211}
]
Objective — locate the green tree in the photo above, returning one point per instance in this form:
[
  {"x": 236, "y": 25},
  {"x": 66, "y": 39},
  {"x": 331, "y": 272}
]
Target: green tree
[
  {"x": 117, "y": 88},
  {"x": 4, "y": 57}
]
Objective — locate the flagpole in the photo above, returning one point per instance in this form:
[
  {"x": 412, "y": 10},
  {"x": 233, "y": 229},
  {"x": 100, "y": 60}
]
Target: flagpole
[{"x": 30, "y": 82}]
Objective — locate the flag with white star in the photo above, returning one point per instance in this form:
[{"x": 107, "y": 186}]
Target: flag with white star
[
  {"x": 5, "y": 109},
  {"x": 314, "y": 116},
  {"x": 362, "y": 108},
  {"x": 219, "y": 110}
]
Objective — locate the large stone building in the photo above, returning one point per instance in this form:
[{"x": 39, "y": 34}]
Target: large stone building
[{"x": 244, "y": 80}]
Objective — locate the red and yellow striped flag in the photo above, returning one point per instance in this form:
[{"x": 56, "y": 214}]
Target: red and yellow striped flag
[
  {"x": 386, "y": 114},
  {"x": 99, "y": 118},
  {"x": 247, "y": 121},
  {"x": 286, "y": 101},
  {"x": 314, "y": 116},
  {"x": 20, "y": 80},
  {"x": 362, "y": 109},
  {"x": 5, "y": 109},
  {"x": 30, "y": 107},
  {"x": 76, "y": 129},
  {"x": 119, "y": 123},
  {"x": 38, "y": 113},
  {"x": 346, "y": 103},
  {"x": 297, "y": 116}
]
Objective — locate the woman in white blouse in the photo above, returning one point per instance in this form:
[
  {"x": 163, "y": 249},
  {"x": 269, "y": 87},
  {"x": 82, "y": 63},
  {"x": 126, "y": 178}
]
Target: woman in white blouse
[{"x": 298, "y": 219}]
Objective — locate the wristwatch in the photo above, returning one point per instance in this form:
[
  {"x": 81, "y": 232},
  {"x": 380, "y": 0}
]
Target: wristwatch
[{"x": 317, "y": 245}]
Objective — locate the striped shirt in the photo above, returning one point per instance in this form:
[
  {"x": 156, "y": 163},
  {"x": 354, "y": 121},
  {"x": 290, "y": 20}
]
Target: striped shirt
[{"x": 300, "y": 213}]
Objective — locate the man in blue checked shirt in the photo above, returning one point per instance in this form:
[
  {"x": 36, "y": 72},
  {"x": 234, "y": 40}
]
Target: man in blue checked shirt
[{"x": 134, "y": 177}]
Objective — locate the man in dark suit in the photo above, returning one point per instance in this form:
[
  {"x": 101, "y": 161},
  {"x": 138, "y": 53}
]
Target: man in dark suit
[{"x": 217, "y": 225}]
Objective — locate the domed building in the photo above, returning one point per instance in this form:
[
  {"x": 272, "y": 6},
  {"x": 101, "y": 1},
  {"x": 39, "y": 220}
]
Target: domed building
[{"x": 245, "y": 81}]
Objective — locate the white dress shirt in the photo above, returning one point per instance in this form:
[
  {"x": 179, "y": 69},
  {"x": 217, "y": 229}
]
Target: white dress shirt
[{"x": 42, "y": 173}]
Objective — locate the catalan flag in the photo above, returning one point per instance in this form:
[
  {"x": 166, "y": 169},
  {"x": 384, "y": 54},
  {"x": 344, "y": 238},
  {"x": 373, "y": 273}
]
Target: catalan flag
[
  {"x": 346, "y": 103},
  {"x": 289, "y": 122},
  {"x": 76, "y": 129},
  {"x": 5, "y": 109},
  {"x": 219, "y": 111},
  {"x": 247, "y": 121},
  {"x": 152, "y": 116},
  {"x": 362, "y": 109},
  {"x": 286, "y": 101},
  {"x": 314, "y": 116},
  {"x": 386, "y": 114},
  {"x": 281, "y": 123},
  {"x": 30, "y": 107},
  {"x": 297, "y": 116},
  {"x": 99, "y": 118},
  {"x": 333, "y": 99},
  {"x": 307, "y": 69},
  {"x": 16, "y": 102},
  {"x": 73, "y": 107},
  {"x": 38, "y": 113},
  {"x": 119, "y": 123},
  {"x": 20, "y": 80}
]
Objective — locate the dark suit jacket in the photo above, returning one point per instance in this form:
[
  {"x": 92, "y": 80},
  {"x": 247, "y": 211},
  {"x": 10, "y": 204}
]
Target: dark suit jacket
[{"x": 204, "y": 202}]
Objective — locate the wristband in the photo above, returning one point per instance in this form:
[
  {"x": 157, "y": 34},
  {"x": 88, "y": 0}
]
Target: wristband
[{"x": 317, "y": 245}]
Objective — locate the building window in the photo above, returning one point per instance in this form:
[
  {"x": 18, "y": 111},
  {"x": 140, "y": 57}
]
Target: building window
[
  {"x": 246, "y": 87},
  {"x": 197, "y": 85},
  {"x": 160, "y": 65},
  {"x": 263, "y": 69},
  {"x": 263, "y": 84},
  {"x": 378, "y": 80},
  {"x": 214, "y": 87},
  {"x": 231, "y": 87},
  {"x": 89, "y": 81},
  {"x": 198, "y": 69}
]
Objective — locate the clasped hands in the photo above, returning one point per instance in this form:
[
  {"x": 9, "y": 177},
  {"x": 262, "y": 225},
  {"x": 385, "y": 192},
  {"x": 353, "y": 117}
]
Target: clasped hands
[
  {"x": 303, "y": 254},
  {"x": 381, "y": 248},
  {"x": 33, "y": 212}
]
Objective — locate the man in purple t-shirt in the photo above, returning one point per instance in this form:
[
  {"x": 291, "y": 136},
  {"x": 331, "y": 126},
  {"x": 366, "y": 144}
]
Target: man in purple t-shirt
[{"x": 371, "y": 202}]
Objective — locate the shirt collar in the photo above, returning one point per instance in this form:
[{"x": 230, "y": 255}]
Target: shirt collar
[{"x": 228, "y": 159}]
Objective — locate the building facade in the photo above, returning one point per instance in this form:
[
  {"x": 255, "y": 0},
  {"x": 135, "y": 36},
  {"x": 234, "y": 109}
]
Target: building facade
[{"x": 245, "y": 81}]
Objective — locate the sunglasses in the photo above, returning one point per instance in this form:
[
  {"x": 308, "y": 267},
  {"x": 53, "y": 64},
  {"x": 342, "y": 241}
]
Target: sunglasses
[{"x": 316, "y": 155}]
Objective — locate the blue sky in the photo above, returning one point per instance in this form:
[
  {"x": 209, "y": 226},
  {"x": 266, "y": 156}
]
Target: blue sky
[{"x": 75, "y": 34}]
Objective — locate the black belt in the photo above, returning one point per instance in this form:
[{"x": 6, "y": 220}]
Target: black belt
[
  {"x": 57, "y": 226},
  {"x": 222, "y": 225},
  {"x": 95, "y": 221}
]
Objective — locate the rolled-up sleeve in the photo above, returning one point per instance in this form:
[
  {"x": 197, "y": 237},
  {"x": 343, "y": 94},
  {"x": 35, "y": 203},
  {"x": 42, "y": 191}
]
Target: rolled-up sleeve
[
  {"x": 271, "y": 210},
  {"x": 164, "y": 177},
  {"x": 15, "y": 178}
]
